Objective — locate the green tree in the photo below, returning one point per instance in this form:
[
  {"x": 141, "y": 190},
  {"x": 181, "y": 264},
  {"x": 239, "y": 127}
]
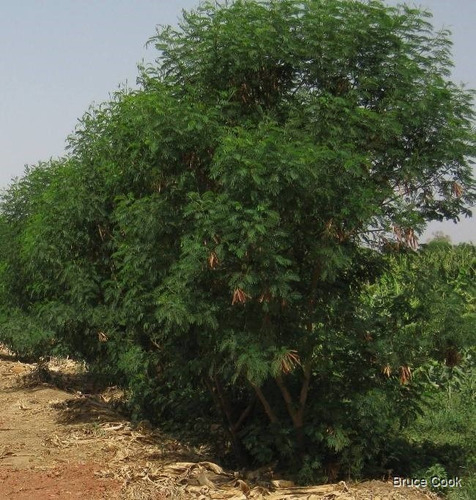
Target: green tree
[
  {"x": 339, "y": 127},
  {"x": 20, "y": 202},
  {"x": 220, "y": 227}
]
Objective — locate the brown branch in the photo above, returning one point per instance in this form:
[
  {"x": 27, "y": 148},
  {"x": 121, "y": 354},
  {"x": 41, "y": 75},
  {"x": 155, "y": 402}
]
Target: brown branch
[
  {"x": 218, "y": 395},
  {"x": 305, "y": 387},
  {"x": 267, "y": 407},
  {"x": 208, "y": 383},
  {"x": 296, "y": 415},
  {"x": 288, "y": 400},
  {"x": 223, "y": 403},
  {"x": 244, "y": 415}
]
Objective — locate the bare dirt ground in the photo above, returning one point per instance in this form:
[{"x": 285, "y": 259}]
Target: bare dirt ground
[{"x": 56, "y": 444}]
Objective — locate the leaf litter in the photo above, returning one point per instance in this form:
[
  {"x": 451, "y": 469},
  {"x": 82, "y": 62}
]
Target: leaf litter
[{"x": 61, "y": 436}]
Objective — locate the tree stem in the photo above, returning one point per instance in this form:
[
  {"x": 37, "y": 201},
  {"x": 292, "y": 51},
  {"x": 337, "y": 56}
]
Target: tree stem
[{"x": 267, "y": 407}]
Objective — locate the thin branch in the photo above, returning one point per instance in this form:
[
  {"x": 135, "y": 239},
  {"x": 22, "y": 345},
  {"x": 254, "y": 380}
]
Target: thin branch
[
  {"x": 288, "y": 400},
  {"x": 305, "y": 386},
  {"x": 267, "y": 408},
  {"x": 244, "y": 415}
]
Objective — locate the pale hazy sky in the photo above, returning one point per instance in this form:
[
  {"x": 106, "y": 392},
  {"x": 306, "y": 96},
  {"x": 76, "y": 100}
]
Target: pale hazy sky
[{"x": 59, "y": 56}]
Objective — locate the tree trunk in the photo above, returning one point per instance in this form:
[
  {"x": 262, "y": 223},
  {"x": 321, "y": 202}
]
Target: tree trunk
[
  {"x": 218, "y": 395},
  {"x": 296, "y": 411}
]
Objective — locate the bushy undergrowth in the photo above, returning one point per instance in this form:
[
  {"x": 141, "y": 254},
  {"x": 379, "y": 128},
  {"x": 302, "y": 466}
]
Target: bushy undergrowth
[
  {"x": 26, "y": 336},
  {"x": 442, "y": 440}
]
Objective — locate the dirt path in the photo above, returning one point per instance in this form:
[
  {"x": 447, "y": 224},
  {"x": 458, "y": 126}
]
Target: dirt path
[
  {"x": 41, "y": 456},
  {"x": 65, "y": 445}
]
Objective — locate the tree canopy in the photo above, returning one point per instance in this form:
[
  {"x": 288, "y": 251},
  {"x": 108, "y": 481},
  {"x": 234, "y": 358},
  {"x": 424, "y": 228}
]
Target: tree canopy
[{"x": 229, "y": 227}]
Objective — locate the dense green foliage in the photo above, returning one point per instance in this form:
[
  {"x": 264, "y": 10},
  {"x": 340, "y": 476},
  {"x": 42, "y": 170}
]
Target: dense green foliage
[
  {"x": 242, "y": 231},
  {"x": 444, "y": 436},
  {"x": 434, "y": 293}
]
